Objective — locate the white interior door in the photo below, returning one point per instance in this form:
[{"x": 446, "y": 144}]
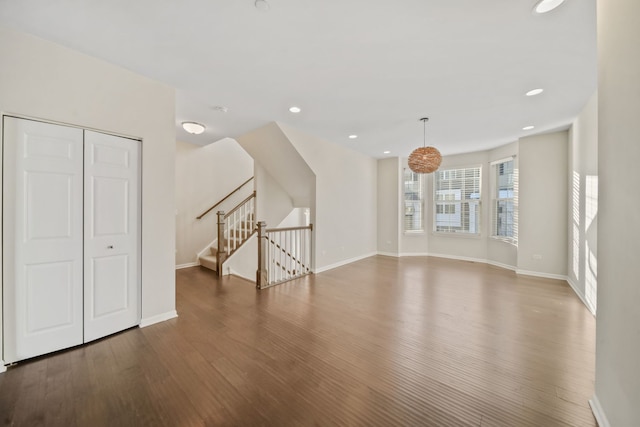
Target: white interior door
[
  {"x": 42, "y": 238},
  {"x": 111, "y": 253}
]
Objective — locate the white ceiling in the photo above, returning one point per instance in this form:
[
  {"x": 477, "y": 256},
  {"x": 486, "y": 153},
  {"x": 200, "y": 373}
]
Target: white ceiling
[{"x": 370, "y": 68}]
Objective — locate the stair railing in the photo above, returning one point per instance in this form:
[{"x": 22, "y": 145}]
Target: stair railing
[
  {"x": 283, "y": 254},
  {"x": 235, "y": 228},
  {"x": 224, "y": 198}
]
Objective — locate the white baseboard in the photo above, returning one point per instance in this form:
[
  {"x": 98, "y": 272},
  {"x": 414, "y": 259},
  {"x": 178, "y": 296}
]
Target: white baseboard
[
  {"x": 206, "y": 250},
  {"x": 543, "y": 275},
  {"x": 391, "y": 254},
  {"x": 598, "y": 412},
  {"x": 578, "y": 292},
  {"x": 501, "y": 265},
  {"x": 479, "y": 260},
  {"x": 455, "y": 257},
  {"x": 148, "y": 321},
  {"x": 235, "y": 273},
  {"x": 345, "y": 262},
  {"x": 187, "y": 265},
  {"x": 409, "y": 254},
  {"x": 459, "y": 258},
  {"x": 2, "y": 367}
]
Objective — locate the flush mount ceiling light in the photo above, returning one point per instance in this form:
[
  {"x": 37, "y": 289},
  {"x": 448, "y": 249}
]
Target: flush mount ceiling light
[
  {"x": 534, "y": 92},
  {"x": 425, "y": 159},
  {"x": 193, "y": 127},
  {"x": 353, "y": 136},
  {"x": 295, "y": 110},
  {"x": 386, "y": 152},
  {"x": 528, "y": 127},
  {"x": 544, "y": 6},
  {"x": 261, "y": 5}
]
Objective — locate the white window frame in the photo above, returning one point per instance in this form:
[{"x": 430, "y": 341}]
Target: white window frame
[
  {"x": 409, "y": 206},
  {"x": 497, "y": 198},
  {"x": 457, "y": 201}
]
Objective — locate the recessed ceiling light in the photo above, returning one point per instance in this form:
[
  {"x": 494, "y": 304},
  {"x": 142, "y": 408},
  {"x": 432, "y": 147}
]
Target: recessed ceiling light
[
  {"x": 261, "y": 5},
  {"x": 528, "y": 127},
  {"x": 295, "y": 109},
  {"x": 353, "y": 136},
  {"x": 534, "y": 92},
  {"x": 193, "y": 127},
  {"x": 544, "y": 6},
  {"x": 386, "y": 152}
]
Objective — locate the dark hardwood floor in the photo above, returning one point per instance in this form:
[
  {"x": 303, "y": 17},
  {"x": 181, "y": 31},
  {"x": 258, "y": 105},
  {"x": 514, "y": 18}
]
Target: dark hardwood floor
[{"x": 380, "y": 342}]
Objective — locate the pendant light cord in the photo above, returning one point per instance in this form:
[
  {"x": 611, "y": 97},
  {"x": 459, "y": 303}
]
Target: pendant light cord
[{"x": 424, "y": 131}]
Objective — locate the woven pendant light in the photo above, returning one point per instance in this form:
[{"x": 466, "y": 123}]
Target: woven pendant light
[{"x": 425, "y": 159}]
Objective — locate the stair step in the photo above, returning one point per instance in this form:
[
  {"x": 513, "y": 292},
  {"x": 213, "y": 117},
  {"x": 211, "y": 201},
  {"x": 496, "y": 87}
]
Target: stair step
[
  {"x": 209, "y": 261},
  {"x": 213, "y": 250}
]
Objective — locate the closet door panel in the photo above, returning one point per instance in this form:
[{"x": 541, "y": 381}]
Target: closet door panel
[
  {"x": 112, "y": 209},
  {"x": 42, "y": 238}
]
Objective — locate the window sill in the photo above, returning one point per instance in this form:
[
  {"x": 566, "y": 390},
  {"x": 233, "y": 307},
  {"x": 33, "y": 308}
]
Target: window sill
[
  {"x": 414, "y": 233},
  {"x": 507, "y": 240},
  {"x": 457, "y": 235}
]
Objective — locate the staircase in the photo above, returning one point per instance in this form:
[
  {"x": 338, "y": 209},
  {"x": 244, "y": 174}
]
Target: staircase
[
  {"x": 234, "y": 229},
  {"x": 239, "y": 235},
  {"x": 283, "y": 253}
]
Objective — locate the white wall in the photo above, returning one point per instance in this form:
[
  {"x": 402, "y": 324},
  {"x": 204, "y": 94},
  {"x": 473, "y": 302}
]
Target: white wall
[
  {"x": 345, "y": 223},
  {"x": 39, "y": 79},
  {"x": 244, "y": 262},
  {"x": 274, "y": 203},
  {"x": 389, "y": 204},
  {"x": 204, "y": 175},
  {"x": 582, "y": 258},
  {"x": 298, "y": 217},
  {"x": 542, "y": 220},
  {"x": 271, "y": 148},
  {"x": 618, "y": 327}
]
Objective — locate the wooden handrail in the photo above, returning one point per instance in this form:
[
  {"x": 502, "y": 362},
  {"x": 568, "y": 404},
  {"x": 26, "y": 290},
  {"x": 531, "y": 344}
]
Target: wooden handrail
[
  {"x": 223, "y": 199},
  {"x": 228, "y": 214},
  {"x": 304, "y": 227}
]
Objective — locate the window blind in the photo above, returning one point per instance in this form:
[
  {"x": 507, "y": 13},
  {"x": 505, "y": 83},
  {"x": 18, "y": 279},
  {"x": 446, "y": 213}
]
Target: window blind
[
  {"x": 504, "y": 216},
  {"x": 413, "y": 201},
  {"x": 457, "y": 200}
]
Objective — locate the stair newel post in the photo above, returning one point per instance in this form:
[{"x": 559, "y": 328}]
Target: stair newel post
[
  {"x": 222, "y": 254},
  {"x": 261, "y": 274}
]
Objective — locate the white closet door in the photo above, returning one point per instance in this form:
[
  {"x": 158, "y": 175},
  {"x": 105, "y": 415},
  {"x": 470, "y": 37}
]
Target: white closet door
[
  {"x": 42, "y": 238},
  {"x": 112, "y": 207}
]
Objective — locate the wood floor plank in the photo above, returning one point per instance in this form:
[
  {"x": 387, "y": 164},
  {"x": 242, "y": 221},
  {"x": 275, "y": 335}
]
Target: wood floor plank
[{"x": 383, "y": 341}]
